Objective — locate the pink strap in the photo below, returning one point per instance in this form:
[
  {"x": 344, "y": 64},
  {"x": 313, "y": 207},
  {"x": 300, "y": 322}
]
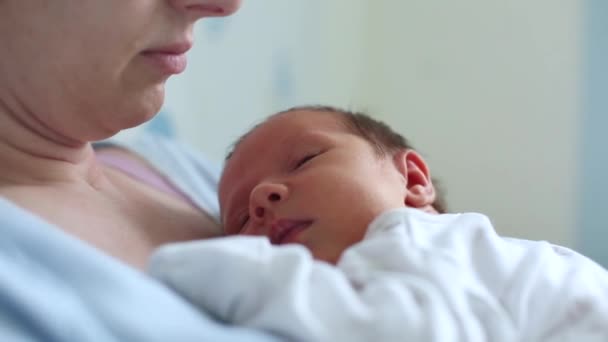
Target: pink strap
[{"x": 141, "y": 173}]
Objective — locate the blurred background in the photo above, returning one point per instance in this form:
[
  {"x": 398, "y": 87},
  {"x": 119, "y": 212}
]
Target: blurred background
[{"x": 505, "y": 99}]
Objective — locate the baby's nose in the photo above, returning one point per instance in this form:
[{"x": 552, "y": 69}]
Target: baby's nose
[{"x": 265, "y": 197}]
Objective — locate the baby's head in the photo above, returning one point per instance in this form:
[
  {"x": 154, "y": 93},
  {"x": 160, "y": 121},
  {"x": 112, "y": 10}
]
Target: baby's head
[{"x": 318, "y": 176}]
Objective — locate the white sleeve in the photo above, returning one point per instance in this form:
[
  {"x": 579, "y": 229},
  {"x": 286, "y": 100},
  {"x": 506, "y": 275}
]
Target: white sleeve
[{"x": 400, "y": 283}]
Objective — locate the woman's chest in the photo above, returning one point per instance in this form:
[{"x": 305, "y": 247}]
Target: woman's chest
[{"x": 128, "y": 222}]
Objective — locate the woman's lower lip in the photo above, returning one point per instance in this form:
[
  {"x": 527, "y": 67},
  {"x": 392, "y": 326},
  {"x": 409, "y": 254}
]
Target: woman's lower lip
[{"x": 168, "y": 63}]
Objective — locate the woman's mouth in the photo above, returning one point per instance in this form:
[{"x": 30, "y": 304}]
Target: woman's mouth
[
  {"x": 287, "y": 231},
  {"x": 167, "y": 63},
  {"x": 169, "y": 59}
]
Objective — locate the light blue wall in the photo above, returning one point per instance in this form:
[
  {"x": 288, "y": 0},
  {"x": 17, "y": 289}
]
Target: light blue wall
[{"x": 594, "y": 181}]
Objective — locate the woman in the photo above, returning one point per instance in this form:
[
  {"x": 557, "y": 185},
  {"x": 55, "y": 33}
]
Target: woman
[{"x": 74, "y": 72}]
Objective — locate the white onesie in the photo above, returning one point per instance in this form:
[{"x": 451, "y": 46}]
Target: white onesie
[{"x": 415, "y": 276}]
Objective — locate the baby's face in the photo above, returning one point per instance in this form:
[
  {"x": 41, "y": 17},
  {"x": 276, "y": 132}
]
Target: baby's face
[{"x": 303, "y": 178}]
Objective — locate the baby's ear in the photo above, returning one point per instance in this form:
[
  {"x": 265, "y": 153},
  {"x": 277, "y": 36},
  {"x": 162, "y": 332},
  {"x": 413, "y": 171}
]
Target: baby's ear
[{"x": 420, "y": 192}]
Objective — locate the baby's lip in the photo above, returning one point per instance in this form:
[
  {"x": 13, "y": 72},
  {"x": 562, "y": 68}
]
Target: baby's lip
[{"x": 286, "y": 230}]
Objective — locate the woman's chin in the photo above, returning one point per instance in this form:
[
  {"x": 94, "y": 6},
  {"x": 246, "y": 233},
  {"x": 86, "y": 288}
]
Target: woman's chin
[
  {"x": 135, "y": 121},
  {"x": 130, "y": 119},
  {"x": 144, "y": 111}
]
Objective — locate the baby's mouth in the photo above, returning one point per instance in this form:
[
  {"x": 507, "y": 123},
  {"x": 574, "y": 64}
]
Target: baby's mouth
[{"x": 287, "y": 231}]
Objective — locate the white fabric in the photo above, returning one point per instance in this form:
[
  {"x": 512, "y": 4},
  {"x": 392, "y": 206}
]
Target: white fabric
[{"x": 415, "y": 277}]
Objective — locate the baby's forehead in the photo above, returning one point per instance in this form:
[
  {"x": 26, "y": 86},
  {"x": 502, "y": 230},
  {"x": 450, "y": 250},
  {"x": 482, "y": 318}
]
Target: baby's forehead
[{"x": 284, "y": 126}]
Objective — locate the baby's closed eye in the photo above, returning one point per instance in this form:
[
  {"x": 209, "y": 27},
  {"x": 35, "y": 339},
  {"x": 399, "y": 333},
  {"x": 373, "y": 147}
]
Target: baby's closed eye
[{"x": 305, "y": 159}]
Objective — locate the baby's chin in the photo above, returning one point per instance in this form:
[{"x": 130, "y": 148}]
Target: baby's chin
[{"x": 331, "y": 258}]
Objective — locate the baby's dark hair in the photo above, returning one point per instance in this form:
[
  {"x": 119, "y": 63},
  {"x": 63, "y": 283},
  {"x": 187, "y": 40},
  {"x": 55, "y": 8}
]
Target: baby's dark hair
[{"x": 381, "y": 136}]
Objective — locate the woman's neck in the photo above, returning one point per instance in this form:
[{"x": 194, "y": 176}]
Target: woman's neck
[{"x": 31, "y": 153}]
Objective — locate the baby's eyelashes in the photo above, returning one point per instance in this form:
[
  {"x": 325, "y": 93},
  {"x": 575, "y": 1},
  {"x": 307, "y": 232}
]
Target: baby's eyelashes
[{"x": 300, "y": 162}]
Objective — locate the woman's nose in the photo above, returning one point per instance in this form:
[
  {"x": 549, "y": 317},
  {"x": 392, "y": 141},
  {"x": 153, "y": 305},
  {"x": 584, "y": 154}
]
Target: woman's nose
[
  {"x": 206, "y": 8},
  {"x": 264, "y": 199}
]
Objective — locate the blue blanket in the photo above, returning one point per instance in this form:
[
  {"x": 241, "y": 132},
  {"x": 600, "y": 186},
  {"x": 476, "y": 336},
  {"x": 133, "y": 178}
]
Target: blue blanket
[{"x": 56, "y": 288}]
